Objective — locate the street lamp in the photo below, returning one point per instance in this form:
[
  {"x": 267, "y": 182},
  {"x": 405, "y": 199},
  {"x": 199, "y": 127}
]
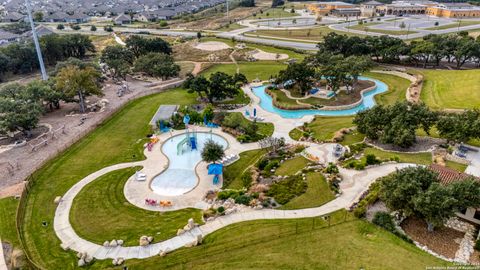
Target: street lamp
[{"x": 35, "y": 40}]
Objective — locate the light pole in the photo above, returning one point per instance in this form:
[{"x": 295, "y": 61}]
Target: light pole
[
  {"x": 227, "y": 8},
  {"x": 35, "y": 40}
]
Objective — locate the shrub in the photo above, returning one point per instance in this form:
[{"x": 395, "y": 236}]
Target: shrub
[
  {"x": 359, "y": 166},
  {"x": 221, "y": 209},
  {"x": 108, "y": 28},
  {"x": 477, "y": 245},
  {"x": 229, "y": 193},
  {"x": 75, "y": 27},
  {"x": 371, "y": 159},
  {"x": 272, "y": 164},
  {"x": 60, "y": 27},
  {"x": 243, "y": 199},
  {"x": 262, "y": 163},
  {"x": 93, "y": 28},
  {"x": 246, "y": 179},
  {"x": 384, "y": 220},
  {"x": 244, "y": 138},
  {"x": 331, "y": 168},
  {"x": 370, "y": 198}
]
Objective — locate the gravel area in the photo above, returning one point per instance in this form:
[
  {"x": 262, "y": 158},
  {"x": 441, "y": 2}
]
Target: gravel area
[
  {"x": 423, "y": 144},
  {"x": 444, "y": 241},
  {"x": 212, "y": 46},
  {"x": 18, "y": 163}
]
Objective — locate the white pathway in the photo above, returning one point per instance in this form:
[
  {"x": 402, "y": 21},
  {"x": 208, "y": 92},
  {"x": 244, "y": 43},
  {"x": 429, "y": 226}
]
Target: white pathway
[
  {"x": 356, "y": 184},
  {"x": 3, "y": 264}
]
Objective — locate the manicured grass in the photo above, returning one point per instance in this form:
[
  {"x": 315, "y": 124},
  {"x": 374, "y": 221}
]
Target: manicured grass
[
  {"x": 265, "y": 129},
  {"x": 318, "y": 193},
  {"x": 352, "y": 138},
  {"x": 263, "y": 70},
  {"x": 453, "y": 89},
  {"x": 453, "y": 25},
  {"x": 292, "y": 166},
  {"x": 230, "y": 27},
  {"x": 312, "y": 34},
  {"x": 307, "y": 243},
  {"x": 232, "y": 173},
  {"x": 240, "y": 98},
  {"x": 8, "y": 211},
  {"x": 274, "y": 13},
  {"x": 116, "y": 140},
  {"x": 417, "y": 158},
  {"x": 100, "y": 212},
  {"x": 295, "y": 134},
  {"x": 456, "y": 166},
  {"x": 324, "y": 127},
  {"x": 367, "y": 28},
  {"x": 397, "y": 88}
]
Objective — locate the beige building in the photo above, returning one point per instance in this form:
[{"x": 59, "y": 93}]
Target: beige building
[
  {"x": 369, "y": 9},
  {"x": 454, "y": 10}
]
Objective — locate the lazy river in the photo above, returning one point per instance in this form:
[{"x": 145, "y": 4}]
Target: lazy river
[
  {"x": 368, "y": 102},
  {"x": 180, "y": 177}
]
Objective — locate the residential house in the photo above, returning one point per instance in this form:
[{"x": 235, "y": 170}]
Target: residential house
[
  {"x": 14, "y": 17},
  {"x": 122, "y": 19},
  {"x": 7, "y": 37}
]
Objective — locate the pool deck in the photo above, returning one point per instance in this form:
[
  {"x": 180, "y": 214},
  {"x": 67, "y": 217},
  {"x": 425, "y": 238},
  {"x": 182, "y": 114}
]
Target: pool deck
[{"x": 137, "y": 191}]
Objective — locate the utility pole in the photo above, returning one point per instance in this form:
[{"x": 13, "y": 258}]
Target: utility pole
[
  {"x": 35, "y": 40},
  {"x": 227, "y": 9}
]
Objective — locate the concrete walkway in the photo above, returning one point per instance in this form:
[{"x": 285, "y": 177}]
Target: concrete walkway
[{"x": 357, "y": 183}]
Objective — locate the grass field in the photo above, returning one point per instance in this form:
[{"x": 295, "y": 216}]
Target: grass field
[
  {"x": 261, "y": 70},
  {"x": 8, "y": 231},
  {"x": 452, "y": 89},
  {"x": 453, "y": 25},
  {"x": 318, "y": 193},
  {"x": 232, "y": 173},
  {"x": 324, "y": 128},
  {"x": 100, "y": 212},
  {"x": 114, "y": 141},
  {"x": 274, "y": 13},
  {"x": 291, "y": 166},
  {"x": 312, "y": 35},
  {"x": 308, "y": 243},
  {"x": 230, "y": 27},
  {"x": 397, "y": 88}
]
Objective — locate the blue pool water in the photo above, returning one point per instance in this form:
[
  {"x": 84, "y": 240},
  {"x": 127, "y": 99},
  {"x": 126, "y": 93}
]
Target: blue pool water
[
  {"x": 368, "y": 102},
  {"x": 180, "y": 176}
]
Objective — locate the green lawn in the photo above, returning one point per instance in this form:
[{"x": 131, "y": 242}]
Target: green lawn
[
  {"x": 417, "y": 158},
  {"x": 295, "y": 134},
  {"x": 352, "y": 138},
  {"x": 274, "y": 13},
  {"x": 453, "y": 25},
  {"x": 318, "y": 193},
  {"x": 456, "y": 166},
  {"x": 324, "y": 127},
  {"x": 307, "y": 243},
  {"x": 8, "y": 211},
  {"x": 397, "y": 88},
  {"x": 232, "y": 173},
  {"x": 116, "y": 140},
  {"x": 453, "y": 89},
  {"x": 312, "y": 34},
  {"x": 230, "y": 27},
  {"x": 292, "y": 166},
  {"x": 367, "y": 28},
  {"x": 100, "y": 212},
  {"x": 265, "y": 129},
  {"x": 262, "y": 70}
]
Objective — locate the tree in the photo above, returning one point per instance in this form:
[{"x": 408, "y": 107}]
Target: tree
[
  {"x": 60, "y": 26},
  {"x": 459, "y": 127},
  {"x": 399, "y": 189},
  {"x": 119, "y": 60},
  {"x": 219, "y": 86},
  {"x": 38, "y": 16},
  {"x": 300, "y": 73},
  {"x": 212, "y": 151},
  {"x": 402, "y": 25},
  {"x": 157, "y": 65},
  {"x": 4, "y": 62},
  {"x": 108, "y": 28},
  {"x": 93, "y": 28},
  {"x": 436, "y": 205},
  {"x": 19, "y": 110},
  {"x": 276, "y": 3},
  {"x": 141, "y": 46},
  {"x": 44, "y": 94},
  {"x": 76, "y": 82},
  {"x": 199, "y": 35},
  {"x": 75, "y": 27}
]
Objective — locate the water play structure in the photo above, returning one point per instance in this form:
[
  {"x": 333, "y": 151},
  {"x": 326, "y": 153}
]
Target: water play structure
[
  {"x": 368, "y": 101},
  {"x": 180, "y": 177},
  {"x": 190, "y": 140}
]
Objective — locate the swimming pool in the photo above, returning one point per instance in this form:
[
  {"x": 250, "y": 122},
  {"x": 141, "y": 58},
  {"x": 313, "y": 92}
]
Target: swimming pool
[
  {"x": 368, "y": 102},
  {"x": 179, "y": 178}
]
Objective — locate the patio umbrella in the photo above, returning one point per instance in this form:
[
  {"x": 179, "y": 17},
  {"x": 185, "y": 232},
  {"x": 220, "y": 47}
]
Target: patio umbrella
[{"x": 254, "y": 112}]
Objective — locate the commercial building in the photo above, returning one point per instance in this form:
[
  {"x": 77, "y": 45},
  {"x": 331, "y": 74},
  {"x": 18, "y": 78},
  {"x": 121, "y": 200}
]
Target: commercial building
[{"x": 454, "y": 10}]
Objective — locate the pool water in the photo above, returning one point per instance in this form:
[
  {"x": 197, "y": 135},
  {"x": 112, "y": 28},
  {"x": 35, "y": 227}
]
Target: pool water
[
  {"x": 368, "y": 102},
  {"x": 179, "y": 178}
]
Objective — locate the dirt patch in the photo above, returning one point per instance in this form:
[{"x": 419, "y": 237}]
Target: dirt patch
[
  {"x": 422, "y": 144},
  {"x": 475, "y": 257},
  {"x": 261, "y": 55},
  {"x": 212, "y": 46},
  {"x": 444, "y": 241},
  {"x": 20, "y": 136},
  {"x": 187, "y": 52}
]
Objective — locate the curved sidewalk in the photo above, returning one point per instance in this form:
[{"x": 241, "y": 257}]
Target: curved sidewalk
[{"x": 358, "y": 183}]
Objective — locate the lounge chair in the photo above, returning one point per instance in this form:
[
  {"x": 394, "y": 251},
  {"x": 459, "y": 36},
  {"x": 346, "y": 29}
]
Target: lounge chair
[{"x": 140, "y": 176}]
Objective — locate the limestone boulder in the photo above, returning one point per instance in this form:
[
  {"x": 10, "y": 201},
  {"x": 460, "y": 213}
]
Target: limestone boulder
[
  {"x": 113, "y": 243},
  {"x": 106, "y": 244},
  {"x": 120, "y": 242},
  {"x": 81, "y": 263},
  {"x": 144, "y": 241}
]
